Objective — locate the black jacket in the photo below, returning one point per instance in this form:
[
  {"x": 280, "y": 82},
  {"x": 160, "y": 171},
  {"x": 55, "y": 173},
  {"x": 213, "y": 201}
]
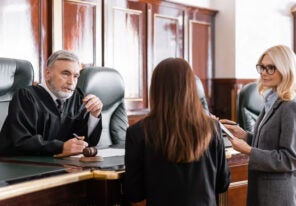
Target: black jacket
[
  {"x": 150, "y": 176},
  {"x": 35, "y": 126}
]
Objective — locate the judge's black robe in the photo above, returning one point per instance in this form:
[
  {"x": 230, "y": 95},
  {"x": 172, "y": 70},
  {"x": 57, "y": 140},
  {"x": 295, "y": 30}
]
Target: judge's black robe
[{"x": 34, "y": 125}]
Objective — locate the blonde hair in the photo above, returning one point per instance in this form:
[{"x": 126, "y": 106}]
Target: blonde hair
[{"x": 285, "y": 61}]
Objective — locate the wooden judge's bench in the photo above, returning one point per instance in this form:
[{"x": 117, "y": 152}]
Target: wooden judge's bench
[{"x": 49, "y": 181}]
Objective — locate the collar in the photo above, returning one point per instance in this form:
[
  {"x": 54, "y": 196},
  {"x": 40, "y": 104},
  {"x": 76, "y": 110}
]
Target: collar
[
  {"x": 54, "y": 97},
  {"x": 270, "y": 98}
]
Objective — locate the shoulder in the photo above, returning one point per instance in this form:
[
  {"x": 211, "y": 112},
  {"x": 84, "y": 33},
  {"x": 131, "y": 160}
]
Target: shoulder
[
  {"x": 288, "y": 105},
  {"x": 287, "y": 110},
  {"x": 36, "y": 92},
  {"x": 136, "y": 128},
  {"x": 135, "y": 132},
  {"x": 217, "y": 138},
  {"x": 26, "y": 92}
]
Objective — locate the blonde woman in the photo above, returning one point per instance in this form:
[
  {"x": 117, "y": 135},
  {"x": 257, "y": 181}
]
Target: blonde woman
[{"x": 272, "y": 147}]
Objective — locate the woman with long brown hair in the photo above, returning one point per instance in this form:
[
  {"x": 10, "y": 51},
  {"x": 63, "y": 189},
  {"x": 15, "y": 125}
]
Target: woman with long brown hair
[{"x": 175, "y": 155}]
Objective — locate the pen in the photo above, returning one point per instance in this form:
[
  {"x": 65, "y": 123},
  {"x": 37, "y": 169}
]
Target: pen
[
  {"x": 76, "y": 136},
  {"x": 231, "y": 123},
  {"x": 227, "y": 121}
]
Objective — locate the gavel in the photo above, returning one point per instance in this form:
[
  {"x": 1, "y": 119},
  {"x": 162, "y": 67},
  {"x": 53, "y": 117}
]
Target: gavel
[
  {"x": 90, "y": 151},
  {"x": 90, "y": 155}
]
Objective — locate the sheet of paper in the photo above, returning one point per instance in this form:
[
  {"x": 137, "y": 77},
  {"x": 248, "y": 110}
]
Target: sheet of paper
[
  {"x": 226, "y": 131},
  {"x": 107, "y": 152},
  {"x": 111, "y": 152},
  {"x": 232, "y": 151}
]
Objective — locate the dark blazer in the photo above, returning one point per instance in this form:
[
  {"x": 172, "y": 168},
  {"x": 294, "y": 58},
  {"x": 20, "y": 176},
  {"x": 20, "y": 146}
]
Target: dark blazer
[
  {"x": 150, "y": 176},
  {"x": 272, "y": 164}
]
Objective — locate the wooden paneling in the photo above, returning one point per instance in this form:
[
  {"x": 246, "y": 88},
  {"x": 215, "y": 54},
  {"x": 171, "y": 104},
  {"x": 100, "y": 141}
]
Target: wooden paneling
[
  {"x": 201, "y": 47},
  {"x": 225, "y": 92},
  {"x": 125, "y": 47},
  {"x": 23, "y": 31},
  {"x": 237, "y": 191},
  {"x": 293, "y": 11},
  {"x": 80, "y": 30},
  {"x": 45, "y": 47},
  {"x": 237, "y": 194},
  {"x": 166, "y": 34},
  {"x": 136, "y": 35},
  {"x": 136, "y": 116}
]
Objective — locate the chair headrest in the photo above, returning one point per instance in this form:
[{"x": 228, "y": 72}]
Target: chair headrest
[
  {"x": 14, "y": 74},
  {"x": 250, "y": 98},
  {"x": 250, "y": 104},
  {"x": 106, "y": 83}
]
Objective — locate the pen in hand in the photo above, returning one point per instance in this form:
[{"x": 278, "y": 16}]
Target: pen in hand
[{"x": 76, "y": 136}]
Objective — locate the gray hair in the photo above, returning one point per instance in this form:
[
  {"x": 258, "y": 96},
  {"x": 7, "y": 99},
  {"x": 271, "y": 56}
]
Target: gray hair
[{"x": 62, "y": 55}]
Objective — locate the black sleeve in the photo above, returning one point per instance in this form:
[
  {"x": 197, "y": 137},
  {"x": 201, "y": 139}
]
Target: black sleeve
[
  {"x": 223, "y": 173},
  {"x": 134, "y": 187},
  {"x": 21, "y": 126}
]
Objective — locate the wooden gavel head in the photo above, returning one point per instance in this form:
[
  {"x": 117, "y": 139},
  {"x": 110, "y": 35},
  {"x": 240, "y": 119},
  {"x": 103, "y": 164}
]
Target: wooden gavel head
[{"x": 90, "y": 151}]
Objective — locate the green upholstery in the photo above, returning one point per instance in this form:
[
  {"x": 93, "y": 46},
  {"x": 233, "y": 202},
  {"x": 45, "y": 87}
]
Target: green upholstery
[
  {"x": 14, "y": 74},
  {"x": 250, "y": 104},
  {"x": 108, "y": 85},
  {"x": 201, "y": 94}
]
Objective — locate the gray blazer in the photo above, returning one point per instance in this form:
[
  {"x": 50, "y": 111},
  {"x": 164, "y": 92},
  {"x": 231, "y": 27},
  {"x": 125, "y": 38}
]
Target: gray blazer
[{"x": 272, "y": 164}]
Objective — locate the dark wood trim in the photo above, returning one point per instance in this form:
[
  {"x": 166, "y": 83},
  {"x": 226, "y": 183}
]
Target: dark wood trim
[
  {"x": 225, "y": 92},
  {"x": 45, "y": 34},
  {"x": 293, "y": 11},
  {"x": 137, "y": 115}
]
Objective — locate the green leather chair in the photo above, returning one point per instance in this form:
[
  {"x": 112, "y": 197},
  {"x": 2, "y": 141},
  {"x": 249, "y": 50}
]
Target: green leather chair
[
  {"x": 14, "y": 74},
  {"x": 249, "y": 105},
  {"x": 108, "y": 85}
]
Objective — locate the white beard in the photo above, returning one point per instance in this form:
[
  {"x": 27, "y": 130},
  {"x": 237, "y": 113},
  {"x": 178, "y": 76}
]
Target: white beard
[{"x": 58, "y": 93}]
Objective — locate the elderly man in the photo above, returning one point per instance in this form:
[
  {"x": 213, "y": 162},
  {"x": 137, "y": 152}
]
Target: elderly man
[{"x": 45, "y": 119}]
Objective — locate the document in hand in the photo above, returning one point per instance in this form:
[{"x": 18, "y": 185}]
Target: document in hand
[{"x": 229, "y": 134}]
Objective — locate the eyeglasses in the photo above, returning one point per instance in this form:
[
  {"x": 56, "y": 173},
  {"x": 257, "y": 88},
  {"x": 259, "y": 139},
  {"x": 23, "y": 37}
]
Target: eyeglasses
[{"x": 270, "y": 69}]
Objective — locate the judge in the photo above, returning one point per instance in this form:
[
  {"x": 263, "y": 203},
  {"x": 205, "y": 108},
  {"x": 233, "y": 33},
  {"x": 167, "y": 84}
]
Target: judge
[{"x": 42, "y": 119}]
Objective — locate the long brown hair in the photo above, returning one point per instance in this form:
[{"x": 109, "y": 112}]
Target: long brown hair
[{"x": 181, "y": 128}]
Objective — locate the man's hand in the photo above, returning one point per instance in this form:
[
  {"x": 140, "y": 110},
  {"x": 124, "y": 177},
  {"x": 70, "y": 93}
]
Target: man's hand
[
  {"x": 73, "y": 146},
  {"x": 93, "y": 104}
]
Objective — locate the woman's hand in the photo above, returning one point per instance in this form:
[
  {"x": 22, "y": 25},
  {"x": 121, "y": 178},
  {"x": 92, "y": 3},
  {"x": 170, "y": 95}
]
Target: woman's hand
[
  {"x": 240, "y": 145},
  {"x": 235, "y": 129}
]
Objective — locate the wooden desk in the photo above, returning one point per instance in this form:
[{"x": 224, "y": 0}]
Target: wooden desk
[
  {"x": 98, "y": 187},
  {"x": 236, "y": 194},
  {"x": 81, "y": 188},
  {"x": 27, "y": 187},
  {"x": 76, "y": 186}
]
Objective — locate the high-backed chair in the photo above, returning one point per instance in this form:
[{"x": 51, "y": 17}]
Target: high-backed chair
[
  {"x": 201, "y": 94},
  {"x": 249, "y": 105},
  {"x": 14, "y": 74},
  {"x": 108, "y": 85}
]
